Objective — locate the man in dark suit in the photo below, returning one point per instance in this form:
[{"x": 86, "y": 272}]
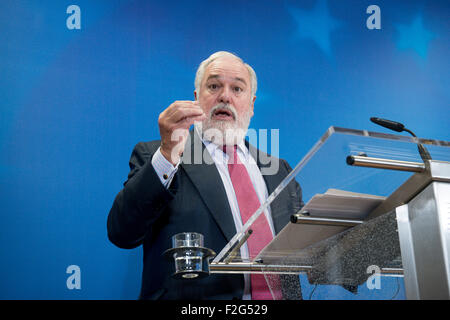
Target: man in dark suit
[{"x": 169, "y": 191}]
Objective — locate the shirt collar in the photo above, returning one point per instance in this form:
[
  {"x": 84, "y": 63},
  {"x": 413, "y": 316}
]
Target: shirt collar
[{"x": 213, "y": 148}]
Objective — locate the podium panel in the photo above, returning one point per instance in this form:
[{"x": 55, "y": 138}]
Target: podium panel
[{"x": 345, "y": 242}]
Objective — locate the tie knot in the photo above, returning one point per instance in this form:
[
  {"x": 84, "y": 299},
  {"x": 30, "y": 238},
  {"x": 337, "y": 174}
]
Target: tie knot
[{"x": 231, "y": 152}]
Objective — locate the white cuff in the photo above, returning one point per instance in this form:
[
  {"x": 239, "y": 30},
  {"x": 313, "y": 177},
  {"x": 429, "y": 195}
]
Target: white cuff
[{"x": 164, "y": 169}]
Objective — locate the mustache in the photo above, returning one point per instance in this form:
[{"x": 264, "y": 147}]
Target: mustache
[{"x": 223, "y": 106}]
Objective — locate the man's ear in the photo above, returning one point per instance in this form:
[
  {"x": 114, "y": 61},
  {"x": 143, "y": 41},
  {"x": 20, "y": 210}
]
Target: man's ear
[{"x": 253, "y": 105}]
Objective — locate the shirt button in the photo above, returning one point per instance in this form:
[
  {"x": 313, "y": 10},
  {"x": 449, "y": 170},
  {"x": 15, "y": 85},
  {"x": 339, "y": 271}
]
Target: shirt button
[{"x": 165, "y": 176}]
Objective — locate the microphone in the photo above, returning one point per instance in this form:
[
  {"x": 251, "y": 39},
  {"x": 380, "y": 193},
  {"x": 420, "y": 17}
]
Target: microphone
[
  {"x": 399, "y": 127},
  {"x": 393, "y": 125}
]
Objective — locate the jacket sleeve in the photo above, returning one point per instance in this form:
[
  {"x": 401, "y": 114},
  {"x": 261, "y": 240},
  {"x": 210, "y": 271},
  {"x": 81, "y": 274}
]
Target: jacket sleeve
[{"x": 139, "y": 204}]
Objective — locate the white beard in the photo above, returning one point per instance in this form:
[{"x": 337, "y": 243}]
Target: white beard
[{"x": 222, "y": 132}]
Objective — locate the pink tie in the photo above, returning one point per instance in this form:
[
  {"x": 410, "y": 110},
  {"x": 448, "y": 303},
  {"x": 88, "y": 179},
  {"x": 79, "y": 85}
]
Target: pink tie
[{"x": 248, "y": 203}]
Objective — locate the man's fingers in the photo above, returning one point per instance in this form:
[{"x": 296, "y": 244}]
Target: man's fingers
[
  {"x": 185, "y": 112},
  {"x": 174, "y": 123},
  {"x": 177, "y": 105},
  {"x": 191, "y": 120},
  {"x": 188, "y": 121}
]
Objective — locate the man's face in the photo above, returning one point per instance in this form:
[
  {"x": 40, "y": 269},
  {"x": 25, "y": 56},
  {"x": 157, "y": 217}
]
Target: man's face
[{"x": 225, "y": 96}]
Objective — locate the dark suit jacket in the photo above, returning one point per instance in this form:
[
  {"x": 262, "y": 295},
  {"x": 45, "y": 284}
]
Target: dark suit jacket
[{"x": 145, "y": 212}]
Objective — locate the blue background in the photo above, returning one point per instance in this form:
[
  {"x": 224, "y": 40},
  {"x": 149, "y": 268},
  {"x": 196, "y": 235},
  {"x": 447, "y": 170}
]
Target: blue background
[{"x": 75, "y": 102}]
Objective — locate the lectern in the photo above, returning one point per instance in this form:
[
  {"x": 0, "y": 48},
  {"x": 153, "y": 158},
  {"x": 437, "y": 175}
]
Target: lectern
[{"x": 376, "y": 223}]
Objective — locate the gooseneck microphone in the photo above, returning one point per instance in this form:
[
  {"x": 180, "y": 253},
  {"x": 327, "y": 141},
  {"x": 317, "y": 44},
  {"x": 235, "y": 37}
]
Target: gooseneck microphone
[
  {"x": 393, "y": 125},
  {"x": 399, "y": 127}
]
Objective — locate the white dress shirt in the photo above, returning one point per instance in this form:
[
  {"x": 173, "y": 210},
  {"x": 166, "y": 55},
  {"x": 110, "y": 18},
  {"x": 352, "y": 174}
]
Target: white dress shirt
[{"x": 166, "y": 172}]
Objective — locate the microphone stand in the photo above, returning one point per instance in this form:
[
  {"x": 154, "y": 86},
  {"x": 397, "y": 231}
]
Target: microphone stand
[{"x": 399, "y": 127}]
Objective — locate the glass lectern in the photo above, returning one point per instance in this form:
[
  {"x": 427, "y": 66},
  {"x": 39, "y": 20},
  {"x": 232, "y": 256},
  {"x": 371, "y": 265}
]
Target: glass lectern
[{"x": 375, "y": 225}]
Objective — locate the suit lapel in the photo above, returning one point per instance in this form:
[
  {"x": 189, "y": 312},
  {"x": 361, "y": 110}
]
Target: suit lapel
[{"x": 206, "y": 178}]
